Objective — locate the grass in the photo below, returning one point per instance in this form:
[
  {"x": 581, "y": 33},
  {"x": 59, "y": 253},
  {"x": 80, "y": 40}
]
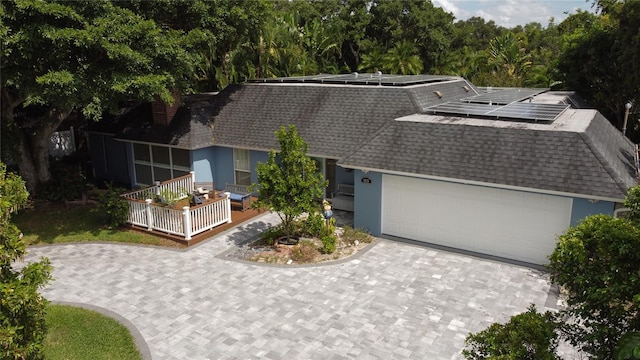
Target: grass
[
  {"x": 76, "y": 333},
  {"x": 53, "y": 223}
]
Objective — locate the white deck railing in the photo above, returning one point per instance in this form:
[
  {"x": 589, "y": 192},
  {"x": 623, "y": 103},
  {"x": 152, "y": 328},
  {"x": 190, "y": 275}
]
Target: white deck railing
[
  {"x": 186, "y": 222},
  {"x": 181, "y": 185}
]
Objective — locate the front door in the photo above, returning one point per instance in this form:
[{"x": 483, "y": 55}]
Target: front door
[{"x": 330, "y": 174}]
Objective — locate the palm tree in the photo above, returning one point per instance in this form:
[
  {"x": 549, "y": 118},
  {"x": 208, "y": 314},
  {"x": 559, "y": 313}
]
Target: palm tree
[
  {"x": 371, "y": 61},
  {"x": 272, "y": 44},
  {"x": 319, "y": 43},
  {"x": 509, "y": 57},
  {"x": 403, "y": 59}
]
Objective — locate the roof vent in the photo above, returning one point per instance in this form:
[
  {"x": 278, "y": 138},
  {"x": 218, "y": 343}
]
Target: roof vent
[
  {"x": 466, "y": 88},
  {"x": 438, "y": 93},
  {"x": 379, "y": 73},
  {"x": 355, "y": 75}
]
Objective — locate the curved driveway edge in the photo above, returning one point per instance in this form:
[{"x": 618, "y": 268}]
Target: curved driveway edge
[
  {"x": 141, "y": 345},
  {"x": 395, "y": 301}
]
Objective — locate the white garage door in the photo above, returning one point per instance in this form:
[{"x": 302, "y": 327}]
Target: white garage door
[{"x": 512, "y": 224}]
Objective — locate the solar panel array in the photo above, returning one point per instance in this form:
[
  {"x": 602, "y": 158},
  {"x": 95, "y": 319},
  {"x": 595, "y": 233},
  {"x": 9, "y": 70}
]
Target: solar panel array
[
  {"x": 361, "y": 79},
  {"x": 518, "y": 111},
  {"x": 504, "y": 96}
]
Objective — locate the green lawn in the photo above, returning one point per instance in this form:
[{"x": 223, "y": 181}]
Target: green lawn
[
  {"x": 51, "y": 223},
  {"x": 76, "y": 333}
]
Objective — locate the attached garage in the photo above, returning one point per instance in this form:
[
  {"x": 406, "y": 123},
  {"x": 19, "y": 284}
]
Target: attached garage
[{"x": 506, "y": 223}]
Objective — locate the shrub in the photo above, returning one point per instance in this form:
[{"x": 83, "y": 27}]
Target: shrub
[
  {"x": 67, "y": 182},
  {"x": 273, "y": 233},
  {"x": 328, "y": 244},
  {"x": 304, "y": 251},
  {"x": 597, "y": 262},
  {"x": 114, "y": 207},
  {"x": 22, "y": 307},
  {"x": 529, "y": 335},
  {"x": 313, "y": 224},
  {"x": 351, "y": 235},
  {"x": 328, "y": 229}
]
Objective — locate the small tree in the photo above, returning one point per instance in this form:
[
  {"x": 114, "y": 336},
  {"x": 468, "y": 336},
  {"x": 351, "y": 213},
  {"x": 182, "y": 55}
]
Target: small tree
[
  {"x": 529, "y": 335},
  {"x": 289, "y": 182},
  {"x": 598, "y": 263},
  {"x": 22, "y": 308}
]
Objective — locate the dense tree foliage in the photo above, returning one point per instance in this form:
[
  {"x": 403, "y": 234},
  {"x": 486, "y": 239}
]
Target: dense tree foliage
[
  {"x": 600, "y": 58},
  {"x": 598, "y": 263},
  {"x": 81, "y": 58},
  {"x": 22, "y": 308},
  {"x": 289, "y": 182}
]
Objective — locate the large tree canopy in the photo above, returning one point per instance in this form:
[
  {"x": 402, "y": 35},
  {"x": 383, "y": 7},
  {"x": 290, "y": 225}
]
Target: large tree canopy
[
  {"x": 84, "y": 56},
  {"x": 600, "y": 58}
]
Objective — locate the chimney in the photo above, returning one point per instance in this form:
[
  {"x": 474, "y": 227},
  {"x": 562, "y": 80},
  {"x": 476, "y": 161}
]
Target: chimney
[{"x": 162, "y": 112}]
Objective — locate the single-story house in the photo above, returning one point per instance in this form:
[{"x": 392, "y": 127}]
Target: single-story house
[{"x": 429, "y": 158}]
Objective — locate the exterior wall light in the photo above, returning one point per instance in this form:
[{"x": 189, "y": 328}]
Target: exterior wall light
[{"x": 627, "y": 107}]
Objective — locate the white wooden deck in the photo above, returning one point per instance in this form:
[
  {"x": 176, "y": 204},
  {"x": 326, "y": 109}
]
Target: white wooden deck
[{"x": 185, "y": 222}]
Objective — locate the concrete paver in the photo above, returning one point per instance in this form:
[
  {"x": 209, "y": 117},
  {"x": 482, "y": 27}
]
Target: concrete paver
[{"x": 395, "y": 301}]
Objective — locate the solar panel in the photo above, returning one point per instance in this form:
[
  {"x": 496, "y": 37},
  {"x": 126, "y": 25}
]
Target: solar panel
[
  {"x": 530, "y": 111},
  {"x": 461, "y": 108},
  {"x": 503, "y": 96},
  {"x": 361, "y": 79},
  {"x": 519, "y": 111}
]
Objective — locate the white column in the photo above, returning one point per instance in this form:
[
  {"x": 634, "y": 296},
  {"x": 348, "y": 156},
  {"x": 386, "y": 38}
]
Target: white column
[
  {"x": 193, "y": 182},
  {"x": 186, "y": 217},
  {"x": 157, "y": 187},
  {"x": 228, "y": 206},
  {"x": 149, "y": 215}
]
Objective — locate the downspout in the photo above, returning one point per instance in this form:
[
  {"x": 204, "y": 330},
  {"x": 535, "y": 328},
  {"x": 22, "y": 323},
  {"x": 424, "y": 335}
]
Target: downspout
[{"x": 636, "y": 158}]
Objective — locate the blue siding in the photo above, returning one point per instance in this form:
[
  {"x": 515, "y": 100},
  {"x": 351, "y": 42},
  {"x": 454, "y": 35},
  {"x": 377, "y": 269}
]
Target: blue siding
[
  {"x": 223, "y": 171},
  {"x": 203, "y": 164},
  {"x": 583, "y": 208},
  {"x": 344, "y": 176},
  {"x": 368, "y": 202},
  {"x": 254, "y": 158}
]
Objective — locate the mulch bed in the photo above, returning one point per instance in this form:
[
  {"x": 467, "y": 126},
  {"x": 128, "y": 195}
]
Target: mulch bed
[{"x": 260, "y": 252}]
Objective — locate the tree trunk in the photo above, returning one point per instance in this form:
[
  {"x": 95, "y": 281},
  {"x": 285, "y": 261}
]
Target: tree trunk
[
  {"x": 34, "y": 148},
  {"x": 9, "y": 102}
]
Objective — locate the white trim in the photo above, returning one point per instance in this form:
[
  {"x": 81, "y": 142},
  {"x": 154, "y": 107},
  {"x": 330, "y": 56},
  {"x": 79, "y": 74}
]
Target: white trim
[
  {"x": 619, "y": 210},
  {"x": 486, "y": 184},
  {"x": 236, "y": 170},
  {"x": 159, "y": 144},
  {"x": 276, "y": 151},
  {"x": 372, "y": 83}
]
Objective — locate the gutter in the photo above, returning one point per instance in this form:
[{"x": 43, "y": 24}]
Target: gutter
[{"x": 592, "y": 198}]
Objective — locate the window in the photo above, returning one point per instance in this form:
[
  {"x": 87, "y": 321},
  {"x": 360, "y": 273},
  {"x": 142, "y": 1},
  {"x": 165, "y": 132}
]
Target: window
[
  {"x": 159, "y": 163},
  {"x": 241, "y": 166}
]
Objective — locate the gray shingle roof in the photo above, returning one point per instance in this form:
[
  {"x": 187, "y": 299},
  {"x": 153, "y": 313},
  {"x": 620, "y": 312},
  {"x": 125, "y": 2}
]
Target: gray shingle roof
[
  {"x": 580, "y": 153},
  {"x": 190, "y": 128},
  {"x": 333, "y": 119}
]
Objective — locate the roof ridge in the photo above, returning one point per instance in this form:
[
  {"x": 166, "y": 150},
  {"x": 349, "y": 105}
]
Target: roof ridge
[
  {"x": 587, "y": 138},
  {"x": 381, "y": 129}
]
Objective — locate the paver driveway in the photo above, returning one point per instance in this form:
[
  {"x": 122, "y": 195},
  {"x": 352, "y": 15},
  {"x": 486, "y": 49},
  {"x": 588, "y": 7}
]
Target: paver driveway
[{"x": 394, "y": 301}]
